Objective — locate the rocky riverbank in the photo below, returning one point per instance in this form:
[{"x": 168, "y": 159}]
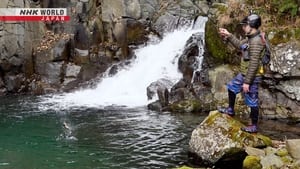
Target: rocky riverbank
[
  {"x": 56, "y": 57},
  {"x": 219, "y": 139}
]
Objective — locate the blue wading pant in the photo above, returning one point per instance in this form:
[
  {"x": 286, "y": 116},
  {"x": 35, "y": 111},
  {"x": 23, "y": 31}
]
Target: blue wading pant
[{"x": 251, "y": 98}]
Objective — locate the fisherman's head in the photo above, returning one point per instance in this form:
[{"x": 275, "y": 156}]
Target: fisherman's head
[{"x": 250, "y": 23}]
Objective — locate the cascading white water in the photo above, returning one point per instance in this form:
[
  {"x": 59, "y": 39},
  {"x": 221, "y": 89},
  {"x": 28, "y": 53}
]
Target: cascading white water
[{"x": 128, "y": 86}]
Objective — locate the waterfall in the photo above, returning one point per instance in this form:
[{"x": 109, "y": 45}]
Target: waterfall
[{"x": 128, "y": 86}]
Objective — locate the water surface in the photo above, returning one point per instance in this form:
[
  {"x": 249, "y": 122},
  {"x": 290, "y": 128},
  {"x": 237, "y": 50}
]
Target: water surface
[{"x": 111, "y": 137}]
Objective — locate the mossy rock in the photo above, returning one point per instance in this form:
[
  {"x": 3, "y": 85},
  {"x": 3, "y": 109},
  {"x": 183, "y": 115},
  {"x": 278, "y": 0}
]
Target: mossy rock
[
  {"x": 185, "y": 106},
  {"x": 184, "y": 167},
  {"x": 285, "y": 35},
  {"x": 221, "y": 7},
  {"x": 252, "y": 162},
  {"x": 267, "y": 141},
  {"x": 282, "y": 152},
  {"x": 297, "y": 33},
  {"x": 281, "y": 36},
  {"x": 219, "y": 136},
  {"x": 215, "y": 46},
  {"x": 287, "y": 159},
  {"x": 232, "y": 129}
]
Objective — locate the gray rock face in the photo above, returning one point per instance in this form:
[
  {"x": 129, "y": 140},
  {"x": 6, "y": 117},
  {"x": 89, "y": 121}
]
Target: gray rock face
[
  {"x": 51, "y": 73},
  {"x": 149, "y": 8},
  {"x": 174, "y": 15},
  {"x": 285, "y": 65},
  {"x": 81, "y": 37},
  {"x": 14, "y": 82},
  {"x": 287, "y": 60}
]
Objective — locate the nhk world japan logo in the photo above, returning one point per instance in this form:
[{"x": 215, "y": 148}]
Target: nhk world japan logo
[{"x": 34, "y": 14}]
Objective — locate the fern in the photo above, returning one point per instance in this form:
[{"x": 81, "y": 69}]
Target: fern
[{"x": 290, "y": 7}]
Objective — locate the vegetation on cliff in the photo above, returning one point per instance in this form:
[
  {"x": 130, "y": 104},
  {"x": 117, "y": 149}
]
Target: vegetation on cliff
[{"x": 280, "y": 19}]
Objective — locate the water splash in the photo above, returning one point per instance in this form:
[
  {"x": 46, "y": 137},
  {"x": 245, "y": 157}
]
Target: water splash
[{"x": 128, "y": 86}]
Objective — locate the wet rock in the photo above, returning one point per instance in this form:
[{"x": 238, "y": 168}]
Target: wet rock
[
  {"x": 14, "y": 82},
  {"x": 190, "y": 61},
  {"x": 186, "y": 106},
  {"x": 160, "y": 84},
  {"x": 163, "y": 96},
  {"x": 156, "y": 106}
]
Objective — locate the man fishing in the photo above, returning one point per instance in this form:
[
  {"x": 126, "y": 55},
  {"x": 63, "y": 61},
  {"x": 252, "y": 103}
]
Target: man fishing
[{"x": 249, "y": 77}]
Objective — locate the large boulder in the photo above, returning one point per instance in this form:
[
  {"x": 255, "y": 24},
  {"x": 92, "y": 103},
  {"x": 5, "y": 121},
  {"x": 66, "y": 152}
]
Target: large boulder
[
  {"x": 219, "y": 137},
  {"x": 192, "y": 56},
  {"x": 285, "y": 65}
]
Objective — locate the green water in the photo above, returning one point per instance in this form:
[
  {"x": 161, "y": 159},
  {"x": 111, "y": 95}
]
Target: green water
[
  {"x": 35, "y": 137},
  {"x": 91, "y": 138}
]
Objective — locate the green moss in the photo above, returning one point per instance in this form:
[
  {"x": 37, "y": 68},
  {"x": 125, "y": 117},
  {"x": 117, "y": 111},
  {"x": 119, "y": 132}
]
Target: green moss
[
  {"x": 222, "y": 8},
  {"x": 297, "y": 33},
  {"x": 289, "y": 7},
  {"x": 282, "y": 152},
  {"x": 251, "y": 162},
  {"x": 266, "y": 140},
  {"x": 214, "y": 43},
  {"x": 285, "y": 35},
  {"x": 235, "y": 133},
  {"x": 211, "y": 118},
  {"x": 185, "y": 167},
  {"x": 185, "y": 106},
  {"x": 287, "y": 159},
  {"x": 281, "y": 36}
]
